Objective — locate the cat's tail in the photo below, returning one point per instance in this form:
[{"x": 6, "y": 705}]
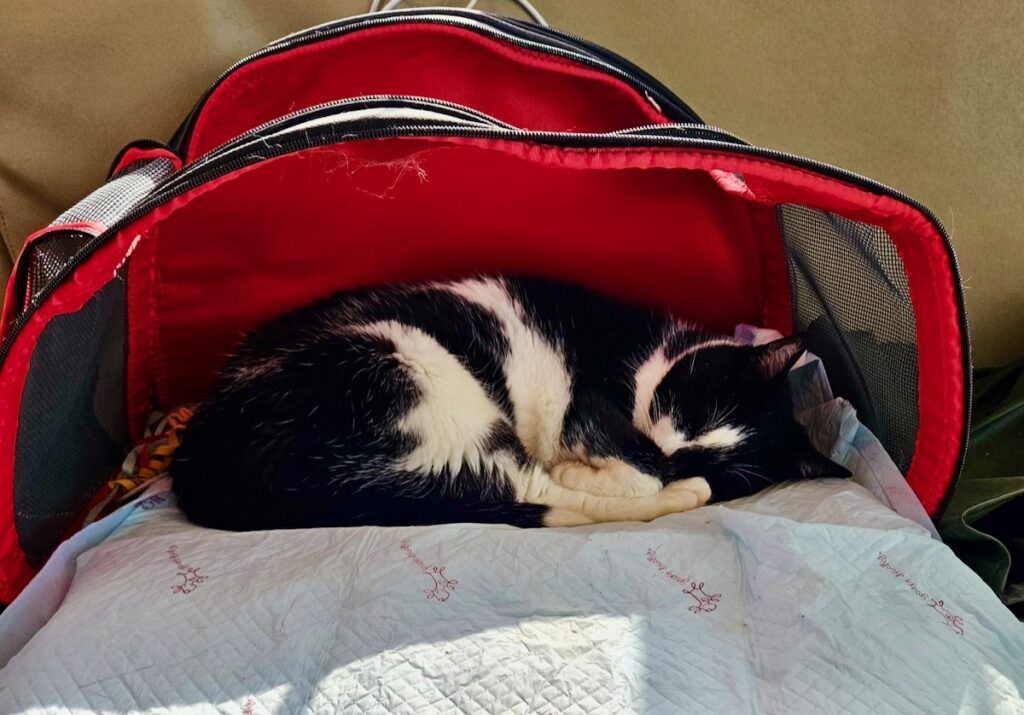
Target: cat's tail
[
  {"x": 213, "y": 504},
  {"x": 212, "y": 495},
  {"x": 415, "y": 512},
  {"x": 217, "y": 489}
]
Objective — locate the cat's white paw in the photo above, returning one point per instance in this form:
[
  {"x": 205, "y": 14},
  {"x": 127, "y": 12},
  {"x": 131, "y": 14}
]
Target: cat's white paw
[
  {"x": 608, "y": 477},
  {"x": 571, "y": 474},
  {"x": 687, "y": 493}
]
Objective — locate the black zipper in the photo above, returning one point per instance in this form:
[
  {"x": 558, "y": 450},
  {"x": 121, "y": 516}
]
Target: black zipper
[
  {"x": 191, "y": 177},
  {"x": 683, "y": 131},
  {"x": 457, "y": 112},
  {"x": 661, "y": 92},
  {"x": 548, "y": 38},
  {"x": 256, "y": 148},
  {"x": 666, "y": 101}
]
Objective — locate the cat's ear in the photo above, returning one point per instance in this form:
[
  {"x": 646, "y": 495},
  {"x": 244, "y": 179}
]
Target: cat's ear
[
  {"x": 813, "y": 465},
  {"x": 773, "y": 360}
]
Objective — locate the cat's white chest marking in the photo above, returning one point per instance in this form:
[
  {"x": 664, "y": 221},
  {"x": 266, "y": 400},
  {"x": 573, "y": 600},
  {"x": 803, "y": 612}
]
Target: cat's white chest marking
[{"x": 538, "y": 383}]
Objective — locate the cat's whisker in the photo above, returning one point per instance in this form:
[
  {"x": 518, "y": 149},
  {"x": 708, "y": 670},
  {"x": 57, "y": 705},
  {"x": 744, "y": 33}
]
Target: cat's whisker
[
  {"x": 751, "y": 470},
  {"x": 749, "y": 483}
]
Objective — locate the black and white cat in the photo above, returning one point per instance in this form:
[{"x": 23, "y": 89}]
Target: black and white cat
[{"x": 526, "y": 402}]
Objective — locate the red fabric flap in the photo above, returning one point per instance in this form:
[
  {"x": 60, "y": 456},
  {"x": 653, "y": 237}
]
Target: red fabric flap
[{"x": 526, "y": 88}]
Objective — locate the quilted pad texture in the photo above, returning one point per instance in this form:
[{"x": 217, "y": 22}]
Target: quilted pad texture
[
  {"x": 808, "y": 598},
  {"x": 824, "y": 597}
]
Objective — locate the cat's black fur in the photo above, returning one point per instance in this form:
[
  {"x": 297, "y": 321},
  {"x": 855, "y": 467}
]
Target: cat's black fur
[{"x": 304, "y": 426}]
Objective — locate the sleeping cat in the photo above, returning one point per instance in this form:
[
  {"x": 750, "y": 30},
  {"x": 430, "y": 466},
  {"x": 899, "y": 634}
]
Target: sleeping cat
[{"x": 517, "y": 401}]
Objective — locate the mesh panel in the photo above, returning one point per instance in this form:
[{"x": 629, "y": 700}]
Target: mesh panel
[
  {"x": 48, "y": 255},
  {"x": 851, "y": 295},
  {"x": 72, "y": 428},
  {"x": 105, "y": 206},
  {"x": 115, "y": 198}
]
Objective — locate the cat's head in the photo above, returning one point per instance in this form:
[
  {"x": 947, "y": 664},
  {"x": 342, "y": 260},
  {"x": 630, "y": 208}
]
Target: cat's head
[{"x": 723, "y": 411}]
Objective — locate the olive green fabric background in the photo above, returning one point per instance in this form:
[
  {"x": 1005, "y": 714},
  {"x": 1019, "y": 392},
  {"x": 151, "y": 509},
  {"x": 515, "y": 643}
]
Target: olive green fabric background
[
  {"x": 984, "y": 524},
  {"x": 925, "y": 96}
]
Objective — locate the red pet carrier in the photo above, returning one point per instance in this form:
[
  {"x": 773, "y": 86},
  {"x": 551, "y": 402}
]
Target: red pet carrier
[{"x": 426, "y": 144}]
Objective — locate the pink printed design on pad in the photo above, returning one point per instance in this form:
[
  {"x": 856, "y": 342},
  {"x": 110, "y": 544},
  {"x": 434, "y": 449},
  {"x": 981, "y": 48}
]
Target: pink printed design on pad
[
  {"x": 442, "y": 585},
  {"x": 704, "y": 602},
  {"x": 190, "y": 578}
]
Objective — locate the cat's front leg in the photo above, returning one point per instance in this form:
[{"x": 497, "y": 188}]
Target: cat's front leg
[
  {"x": 605, "y": 476},
  {"x": 570, "y": 507}
]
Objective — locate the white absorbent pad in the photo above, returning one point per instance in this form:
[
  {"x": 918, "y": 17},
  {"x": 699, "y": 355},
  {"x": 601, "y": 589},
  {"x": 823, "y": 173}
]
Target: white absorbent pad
[{"x": 808, "y": 598}]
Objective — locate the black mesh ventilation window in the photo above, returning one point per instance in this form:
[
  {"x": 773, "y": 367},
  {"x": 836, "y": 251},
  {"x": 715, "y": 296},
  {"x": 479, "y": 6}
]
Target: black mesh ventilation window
[
  {"x": 850, "y": 294},
  {"x": 72, "y": 426},
  {"x": 111, "y": 202},
  {"x": 47, "y": 256}
]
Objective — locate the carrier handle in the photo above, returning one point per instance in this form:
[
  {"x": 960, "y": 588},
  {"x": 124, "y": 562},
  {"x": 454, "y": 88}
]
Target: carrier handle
[{"x": 525, "y": 5}]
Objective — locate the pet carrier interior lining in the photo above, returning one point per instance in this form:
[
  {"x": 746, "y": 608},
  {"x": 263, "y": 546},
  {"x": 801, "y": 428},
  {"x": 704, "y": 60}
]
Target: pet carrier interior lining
[
  {"x": 439, "y": 212},
  {"x": 528, "y": 89},
  {"x": 200, "y": 270},
  {"x": 613, "y": 230}
]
